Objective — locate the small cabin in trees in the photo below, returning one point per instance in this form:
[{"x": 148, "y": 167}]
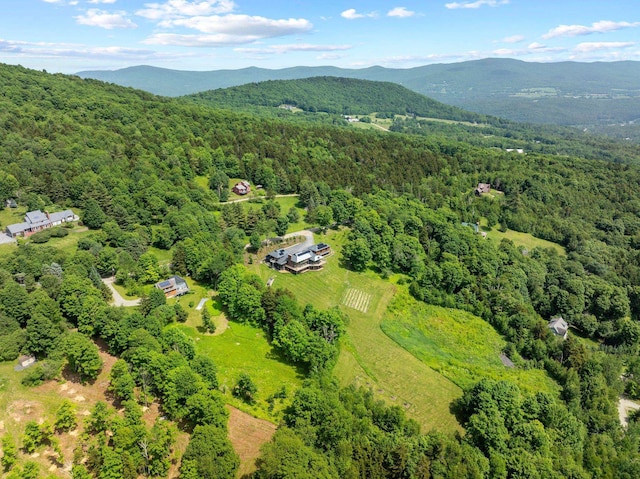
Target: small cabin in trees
[
  {"x": 483, "y": 188},
  {"x": 241, "y": 188},
  {"x": 559, "y": 327},
  {"x": 174, "y": 286}
]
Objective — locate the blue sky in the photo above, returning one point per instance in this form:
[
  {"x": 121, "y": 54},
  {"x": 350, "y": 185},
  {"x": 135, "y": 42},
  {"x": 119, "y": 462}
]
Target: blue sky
[{"x": 73, "y": 35}]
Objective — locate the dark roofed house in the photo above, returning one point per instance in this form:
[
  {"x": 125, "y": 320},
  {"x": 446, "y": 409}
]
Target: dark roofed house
[
  {"x": 11, "y": 203},
  {"x": 277, "y": 259},
  {"x": 559, "y": 327},
  {"x": 483, "y": 188},
  {"x": 174, "y": 286},
  {"x": 321, "y": 249},
  {"x": 241, "y": 188},
  {"x": 299, "y": 261}
]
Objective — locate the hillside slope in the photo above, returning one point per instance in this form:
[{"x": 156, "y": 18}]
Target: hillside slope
[
  {"x": 567, "y": 93},
  {"x": 334, "y": 95}
]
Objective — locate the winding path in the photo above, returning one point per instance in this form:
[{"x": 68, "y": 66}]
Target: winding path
[
  {"x": 625, "y": 406},
  {"x": 118, "y": 300}
]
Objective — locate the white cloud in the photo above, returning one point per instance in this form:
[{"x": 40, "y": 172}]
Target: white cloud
[
  {"x": 181, "y": 8},
  {"x": 244, "y": 25},
  {"x": 102, "y": 1},
  {"x": 602, "y": 26},
  {"x": 513, "y": 39},
  {"x": 100, "y": 18},
  {"x": 476, "y": 4},
  {"x": 430, "y": 58},
  {"x": 532, "y": 48},
  {"x": 294, "y": 47},
  {"x": 330, "y": 56},
  {"x": 352, "y": 14},
  {"x": 401, "y": 12},
  {"x": 216, "y": 40},
  {"x": 588, "y": 47},
  {"x": 53, "y": 50}
]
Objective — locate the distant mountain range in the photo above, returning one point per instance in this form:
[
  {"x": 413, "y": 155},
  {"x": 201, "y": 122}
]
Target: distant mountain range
[{"x": 566, "y": 93}]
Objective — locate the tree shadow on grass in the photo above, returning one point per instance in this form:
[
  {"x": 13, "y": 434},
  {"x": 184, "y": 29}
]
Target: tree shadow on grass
[{"x": 277, "y": 355}]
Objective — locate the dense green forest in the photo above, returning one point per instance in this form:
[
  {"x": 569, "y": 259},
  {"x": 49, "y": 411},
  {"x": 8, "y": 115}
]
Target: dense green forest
[{"x": 132, "y": 164}]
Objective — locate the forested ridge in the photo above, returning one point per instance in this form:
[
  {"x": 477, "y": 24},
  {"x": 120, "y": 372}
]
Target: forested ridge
[
  {"x": 343, "y": 96},
  {"x": 131, "y": 163},
  {"x": 326, "y": 99}
]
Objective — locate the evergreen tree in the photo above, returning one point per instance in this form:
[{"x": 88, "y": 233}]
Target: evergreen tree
[{"x": 92, "y": 216}]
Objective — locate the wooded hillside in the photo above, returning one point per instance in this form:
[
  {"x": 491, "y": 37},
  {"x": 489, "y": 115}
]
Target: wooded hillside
[{"x": 150, "y": 176}]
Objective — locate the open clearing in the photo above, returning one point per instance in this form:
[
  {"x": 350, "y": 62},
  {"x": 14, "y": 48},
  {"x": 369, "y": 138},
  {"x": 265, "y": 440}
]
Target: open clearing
[
  {"x": 368, "y": 357},
  {"x": 462, "y": 347},
  {"x": 243, "y": 348},
  {"x": 522, "y": 239}
]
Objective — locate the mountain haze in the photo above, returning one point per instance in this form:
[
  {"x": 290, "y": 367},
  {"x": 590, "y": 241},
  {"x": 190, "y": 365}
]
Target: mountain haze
[{"x": 566, "y": 93}]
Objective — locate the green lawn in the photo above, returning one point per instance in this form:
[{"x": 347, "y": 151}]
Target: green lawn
[
  {"x": 239, "y": 348},
  {"x": 202, "y": 181},
  {"x": 243, "y": 348},
  {"x": 523, "y": 239},
  {"x": 459, "y": 345},
  {"x": 286, "y": 203},
  {"x": 368, "y": 357},
  {"x": 10, "y": 216},
  {"x": 164, "y": 256}
]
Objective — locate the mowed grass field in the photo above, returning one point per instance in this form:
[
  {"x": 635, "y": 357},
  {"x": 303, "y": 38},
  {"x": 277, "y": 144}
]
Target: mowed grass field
[
  {"x": 521, "y": 239},
  {"x": 369, "y": 357},
  {"x": 459, "y": 345},
  {"x": 244, "y": 349}
]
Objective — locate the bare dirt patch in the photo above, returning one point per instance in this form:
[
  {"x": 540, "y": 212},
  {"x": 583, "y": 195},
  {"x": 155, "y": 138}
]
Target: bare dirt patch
[
  {"x": 24, "y": 410},
  {"x": 222, "y": 323},
  {"x": 248, "y": 434}
]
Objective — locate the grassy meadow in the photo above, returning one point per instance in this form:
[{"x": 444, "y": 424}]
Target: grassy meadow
[
  {"x": 521, "y": 239},
  {"x": 243, "y": 348},
  {"x": 460, "y": 346}
]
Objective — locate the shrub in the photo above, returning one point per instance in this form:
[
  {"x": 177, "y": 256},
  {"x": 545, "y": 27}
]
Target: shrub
[
  {"x": 40, "y": 237},
  {"x": 41, "y": 372},
  {"x": 245, "y": 389},
  {"x": 59, "y": 232}
]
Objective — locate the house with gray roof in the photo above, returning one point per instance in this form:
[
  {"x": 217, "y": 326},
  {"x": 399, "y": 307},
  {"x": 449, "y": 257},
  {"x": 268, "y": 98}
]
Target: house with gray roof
[
  {"x": 174, "y": 286},
  {"x": 559, "y": 327},
  {"x": 35, "y": 221}
]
